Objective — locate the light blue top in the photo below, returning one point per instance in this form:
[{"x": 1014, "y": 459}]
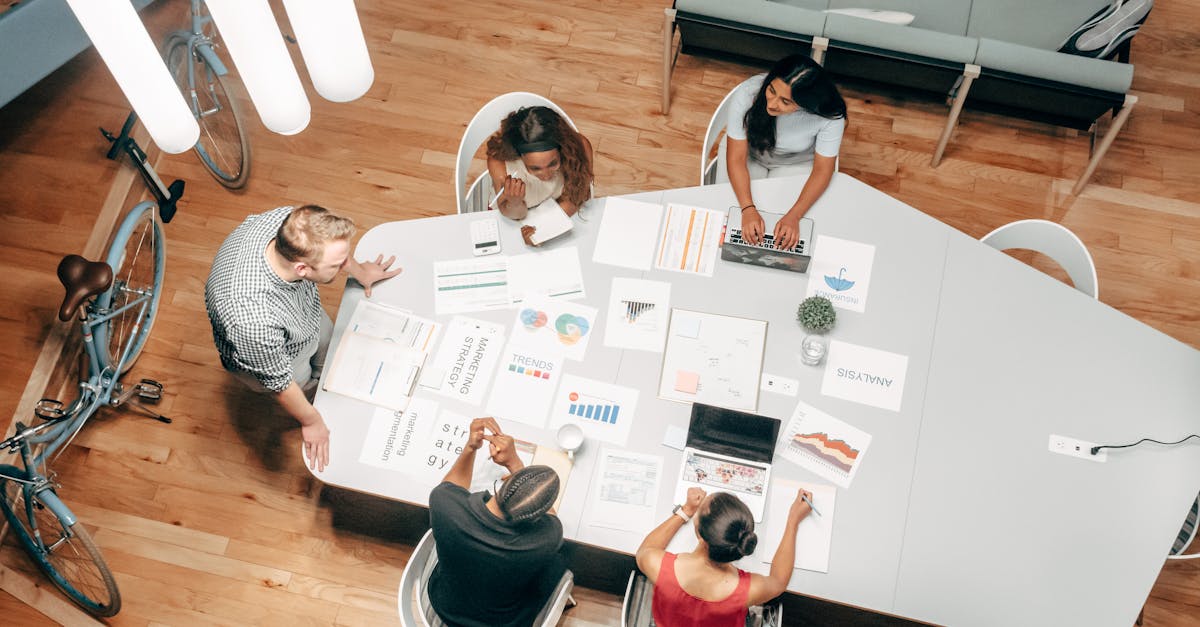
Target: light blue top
[{"x": 797, "y": 135}]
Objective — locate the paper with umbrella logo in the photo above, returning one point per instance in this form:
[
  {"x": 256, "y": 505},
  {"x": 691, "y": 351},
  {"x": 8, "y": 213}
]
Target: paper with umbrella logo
[
  {"x": 549, "y": 325},
  {"x": 841, "y": 272}
]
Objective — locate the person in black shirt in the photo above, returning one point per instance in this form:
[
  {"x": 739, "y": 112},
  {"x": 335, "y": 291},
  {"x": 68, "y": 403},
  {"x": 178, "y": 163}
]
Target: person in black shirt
[{"x": 498, "y": 556}]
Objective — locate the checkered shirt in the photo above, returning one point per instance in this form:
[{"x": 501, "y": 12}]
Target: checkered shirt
[{"x": 260, "y": 322}]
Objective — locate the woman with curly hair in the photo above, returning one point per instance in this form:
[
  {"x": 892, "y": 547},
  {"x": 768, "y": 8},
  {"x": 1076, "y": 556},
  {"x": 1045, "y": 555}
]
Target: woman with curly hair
[
  {"x": 779, "y": 123},
  {"x": 536, "y": 155},
  {"x": 703, "y": 588}
]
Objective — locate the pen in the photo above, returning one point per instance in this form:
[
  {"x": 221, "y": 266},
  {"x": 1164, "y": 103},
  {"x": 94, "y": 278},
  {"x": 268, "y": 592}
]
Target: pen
[{"x": 810, "y": 504}]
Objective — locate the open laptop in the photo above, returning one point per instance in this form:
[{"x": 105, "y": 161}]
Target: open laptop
[
  {"x": 728, "y": 451},
  {"x": 734, "y": 248}
]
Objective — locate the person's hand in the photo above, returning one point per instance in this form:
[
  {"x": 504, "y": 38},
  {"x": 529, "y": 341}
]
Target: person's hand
[
  {"x": 477, "y": 436},
  {"x": 372, "y": 272},
  {"x": 787, "y": 232},
  {"x": 503, "y": 450},
  {"x": 316, "y": 444},
  {"x": 800, "y": 509},
  {"x": 514, "y": 190},
  {"x": 691, "y": 505},
  {"x": 752, "y": 226},
  {"x": 527, "y": 234}
]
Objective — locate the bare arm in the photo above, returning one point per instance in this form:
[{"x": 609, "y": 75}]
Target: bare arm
[
  {"x": 464, "y": 467},
  {"x": 511, "y": 203},
  {"x": 312, "y": 425},
  {"x": 371, "y": 272},
  {"x": 787, "y": 229},
  {"x": 737, "y": 152},
  {"x": 763, "y": 589},
  {"x": 650, "y": 553}
]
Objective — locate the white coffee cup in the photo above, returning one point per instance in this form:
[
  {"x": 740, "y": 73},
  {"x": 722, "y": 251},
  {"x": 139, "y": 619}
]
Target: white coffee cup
[{"x": 570, "y": 439}]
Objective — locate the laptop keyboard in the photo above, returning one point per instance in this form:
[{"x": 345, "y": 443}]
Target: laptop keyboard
[{"x": 768, "y": 242}]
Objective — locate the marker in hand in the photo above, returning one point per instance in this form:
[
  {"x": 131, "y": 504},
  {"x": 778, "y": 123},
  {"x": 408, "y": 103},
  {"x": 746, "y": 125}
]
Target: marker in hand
[{"x": 810, "y": 504}]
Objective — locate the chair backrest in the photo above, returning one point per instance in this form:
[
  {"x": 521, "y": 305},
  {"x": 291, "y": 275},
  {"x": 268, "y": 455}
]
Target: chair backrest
[
  {"x": 482, "y": 126},
  {"x": 553, "y": 610},
  {"x": 715, "y": 127},
  {"x": 412, "y": 581},
  {"x": 636, "y": 609},
  {"x": 1187, "y": 533},
  {"x": 1056, "y": 242}
]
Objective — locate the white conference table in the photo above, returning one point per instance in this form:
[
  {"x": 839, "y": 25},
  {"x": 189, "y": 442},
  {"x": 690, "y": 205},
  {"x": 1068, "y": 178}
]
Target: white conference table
[{"x": 959, "y": 514}]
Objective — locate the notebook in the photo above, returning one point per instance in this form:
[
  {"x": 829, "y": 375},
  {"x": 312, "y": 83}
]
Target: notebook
[
  {"x": 734, "y": 248},
  {"x": 729, "y": 451}
]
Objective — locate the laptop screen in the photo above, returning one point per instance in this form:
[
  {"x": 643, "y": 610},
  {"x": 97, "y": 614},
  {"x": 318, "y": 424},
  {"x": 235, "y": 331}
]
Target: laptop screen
[{"x": 733, "y": 433}]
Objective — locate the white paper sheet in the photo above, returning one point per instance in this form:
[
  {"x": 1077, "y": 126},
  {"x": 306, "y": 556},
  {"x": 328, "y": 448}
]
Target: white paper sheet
[
  {"x": 841, "y": 272},
  {"x": 393, "y": 324},
  {"x": 628, "y": 231},
  {"x": 395, "y": 439},
  {"x": 725, "y": 356},
  {"x": 638, "y": 312},
  {"x": 466, "y": 360},
  {"x": 675, "y": 437},
  {"x": 814, "y": 536},
  {"x": 550, "y": 273},
  {"x": 486, "y": 473},
  {"x": 824, "y": 445},
  {"x": 690, "y": 240},
  {"x": 604, "y": 411},
  {"x": 525, "y": 386},
  {"x": 865, "y": 375},
  {"x": 476, "y": 284},
  {"x": 374, "y": 370},
  {"x": 626, "y": 491},
  {"x": 548, "y": 220},
  {"x": 441, "y": 447},
  {"x": 547, "y": 325}
]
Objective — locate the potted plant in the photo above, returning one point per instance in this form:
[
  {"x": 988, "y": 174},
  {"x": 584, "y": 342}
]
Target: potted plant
[{"x": 817, "y": 315}]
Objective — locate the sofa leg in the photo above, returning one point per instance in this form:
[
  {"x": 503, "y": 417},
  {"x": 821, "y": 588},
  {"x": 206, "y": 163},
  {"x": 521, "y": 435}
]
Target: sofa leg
[
  {"x": 1105, "y": 143},
  {"x": 668, "y": 60},
  {"x": 819, "y": 46},
  {"x": 970, "y": 73}
]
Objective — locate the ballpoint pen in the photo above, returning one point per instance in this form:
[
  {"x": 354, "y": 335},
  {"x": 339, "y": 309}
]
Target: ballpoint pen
[{"x": 810, "y": 504}]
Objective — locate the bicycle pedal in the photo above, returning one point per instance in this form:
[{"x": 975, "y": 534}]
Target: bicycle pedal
[
  {"x": 149, "y": 390},
  {"x": 49, "y": 409}
]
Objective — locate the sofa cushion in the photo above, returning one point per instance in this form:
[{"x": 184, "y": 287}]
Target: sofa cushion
[
  {"x": 1041, "y": 24},
  {"x": 759, "y": 13},
  {"x": 879, "y": 15},
  {"x": 906, "y": 39},
  {"x": 1055, "y": 66},
  {"x": 1110, "y": 27},
  {"x": 812, "y": 5},
  {"x": 939, "y": 15}
]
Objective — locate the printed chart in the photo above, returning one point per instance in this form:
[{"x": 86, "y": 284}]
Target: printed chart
[
  {"x": 546, "y": 325},
  {"x": 604, "y": 411},
  {"x": 825, "y": 445},
  {"x": 637, "y": 314}
]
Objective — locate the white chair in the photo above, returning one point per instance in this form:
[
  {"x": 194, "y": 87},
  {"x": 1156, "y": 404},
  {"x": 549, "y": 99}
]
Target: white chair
[
  {"x": 485, "y": 123},
  {"x": 1186, "y": 534},
  {"x": 413, "y": 596},
  {"x": 1055, "y": 241},
  {"x": 639, "y": 596}
]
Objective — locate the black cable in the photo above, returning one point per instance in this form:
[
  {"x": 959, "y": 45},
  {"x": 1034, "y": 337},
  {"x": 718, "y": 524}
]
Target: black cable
[{"x": 1096, "y": 449}]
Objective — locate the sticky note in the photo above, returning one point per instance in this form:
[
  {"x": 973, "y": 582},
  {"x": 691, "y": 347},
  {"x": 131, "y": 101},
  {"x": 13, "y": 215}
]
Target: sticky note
[
  {"x": 687, "y": 382},
  {"x": 675, "y": 437},
  {"x": 686, "y": 326}
]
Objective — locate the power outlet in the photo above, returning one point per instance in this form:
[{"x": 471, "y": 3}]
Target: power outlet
[
  {"x": 779, "y": 385},
  {"x": 1072, "y": 447}
]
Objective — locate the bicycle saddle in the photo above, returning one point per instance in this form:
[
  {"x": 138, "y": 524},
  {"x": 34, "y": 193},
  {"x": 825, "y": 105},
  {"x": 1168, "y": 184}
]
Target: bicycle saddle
[{"x": 83, "y": 279}]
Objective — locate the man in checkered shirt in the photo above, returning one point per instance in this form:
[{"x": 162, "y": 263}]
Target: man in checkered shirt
[{"x": 266, "y": 314}]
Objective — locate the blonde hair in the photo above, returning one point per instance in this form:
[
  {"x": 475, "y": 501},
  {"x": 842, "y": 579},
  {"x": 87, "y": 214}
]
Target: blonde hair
[{"x": 304, "y": 232}]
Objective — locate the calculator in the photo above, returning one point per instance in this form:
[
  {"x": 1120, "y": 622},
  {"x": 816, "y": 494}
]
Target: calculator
[{"x": 485, "y": 236}]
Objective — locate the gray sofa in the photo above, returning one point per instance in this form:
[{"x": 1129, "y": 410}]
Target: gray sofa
[{"x": 998, "y": 55}]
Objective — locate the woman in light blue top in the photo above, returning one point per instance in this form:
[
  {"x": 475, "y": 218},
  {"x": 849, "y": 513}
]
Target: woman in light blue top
[{"x": 779, "y": 123}]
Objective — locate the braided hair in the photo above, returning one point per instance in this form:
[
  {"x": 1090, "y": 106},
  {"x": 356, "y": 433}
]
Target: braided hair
[
  {"x": 728, "y": 527},
  {"x": 528, "y": 494}
]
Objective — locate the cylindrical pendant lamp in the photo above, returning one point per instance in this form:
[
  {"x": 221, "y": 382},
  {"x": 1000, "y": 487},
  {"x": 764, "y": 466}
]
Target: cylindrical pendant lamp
[
  {"x": 131, "y": 57},
  {"x": 249, "y": 31},
  {"x": 334, "y": 49}
]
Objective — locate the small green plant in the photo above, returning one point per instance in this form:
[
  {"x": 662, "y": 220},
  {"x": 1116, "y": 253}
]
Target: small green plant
[{"x": 816, "y": 314}]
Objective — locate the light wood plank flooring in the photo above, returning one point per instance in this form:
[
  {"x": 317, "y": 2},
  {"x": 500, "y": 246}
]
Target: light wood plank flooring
[{"x": 213, "y": 520}]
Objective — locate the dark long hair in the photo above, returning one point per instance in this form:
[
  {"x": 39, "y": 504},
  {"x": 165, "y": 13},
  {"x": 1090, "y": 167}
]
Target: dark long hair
[
  {"x": 812, "y": 90},
  {"x": 728, "y": 528},
  {"x": 544, "y": 128},
  {"x": 528, "y": 494}
]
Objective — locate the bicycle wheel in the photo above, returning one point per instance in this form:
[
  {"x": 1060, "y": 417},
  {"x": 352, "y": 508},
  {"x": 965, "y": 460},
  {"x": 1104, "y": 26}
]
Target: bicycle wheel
[
  {"x": 223, "y": 147},
  {"x": 137, "y": 257},
  {"x": 64, "y": 551}
]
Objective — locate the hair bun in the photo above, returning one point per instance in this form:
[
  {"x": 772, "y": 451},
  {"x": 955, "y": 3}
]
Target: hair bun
[{"x": 747, "y": 542}]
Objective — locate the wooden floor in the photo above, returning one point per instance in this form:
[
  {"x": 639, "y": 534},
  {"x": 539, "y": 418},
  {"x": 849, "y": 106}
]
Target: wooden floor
[{"x": 213, "y": 520}]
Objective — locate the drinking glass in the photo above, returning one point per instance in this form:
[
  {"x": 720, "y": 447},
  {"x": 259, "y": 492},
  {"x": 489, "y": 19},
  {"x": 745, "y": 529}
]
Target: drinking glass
[{"x": 812, "y": 349}]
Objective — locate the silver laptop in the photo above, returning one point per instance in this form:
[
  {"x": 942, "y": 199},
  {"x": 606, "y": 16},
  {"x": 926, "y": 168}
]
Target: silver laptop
[
  {"x": 734, "y": 248},
  {"x": 728, "y": 451}
]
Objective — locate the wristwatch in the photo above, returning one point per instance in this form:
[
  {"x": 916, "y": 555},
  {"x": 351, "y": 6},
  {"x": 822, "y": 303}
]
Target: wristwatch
[{"x": 678, "y": 511}]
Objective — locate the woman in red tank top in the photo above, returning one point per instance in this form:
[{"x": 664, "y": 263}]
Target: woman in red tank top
[{"x": 703, "y": 588}]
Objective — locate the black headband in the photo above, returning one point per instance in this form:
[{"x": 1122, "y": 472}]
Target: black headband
[{"x": 535, "y": 147}]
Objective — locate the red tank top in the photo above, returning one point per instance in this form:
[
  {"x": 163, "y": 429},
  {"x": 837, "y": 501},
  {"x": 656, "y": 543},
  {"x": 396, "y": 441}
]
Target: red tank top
[{"x": 674, "y": 607}]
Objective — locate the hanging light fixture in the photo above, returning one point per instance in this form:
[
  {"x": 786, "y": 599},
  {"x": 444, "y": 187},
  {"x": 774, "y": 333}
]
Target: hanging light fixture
[
  {"x": 126, "y": 48},
  {"x": 334, "y": 49},
  {"x": 249, "y": 31}
]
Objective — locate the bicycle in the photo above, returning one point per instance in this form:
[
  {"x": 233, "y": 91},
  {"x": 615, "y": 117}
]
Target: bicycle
[
  {"x": 115, "y": 302},
  {"x": 190, "y": 55}
]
